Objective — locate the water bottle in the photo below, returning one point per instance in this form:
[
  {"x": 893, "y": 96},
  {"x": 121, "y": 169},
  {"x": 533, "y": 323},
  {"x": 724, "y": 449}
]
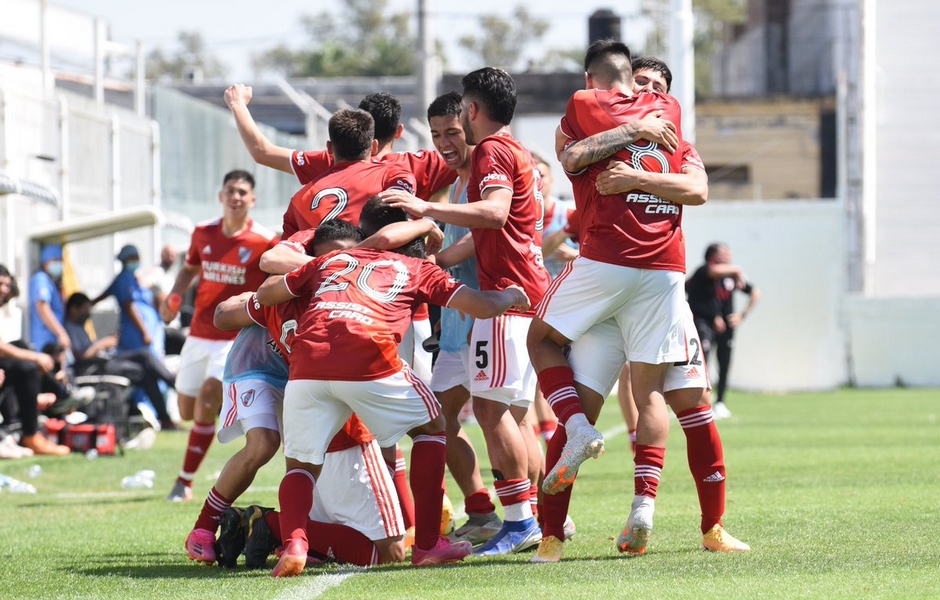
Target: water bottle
[
  {"x": 135, "y": 482},
  {"x": 146, "y": 474},
  {"x": 15, "y": 485},
  {"x": 92, "y": 454},
  {"x": 35, "y": 471}
]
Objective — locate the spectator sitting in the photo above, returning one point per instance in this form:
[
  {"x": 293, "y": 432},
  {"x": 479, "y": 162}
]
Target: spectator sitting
[
  {"x": 140, "y": 366},
  {"x": 20, "y": 387}
]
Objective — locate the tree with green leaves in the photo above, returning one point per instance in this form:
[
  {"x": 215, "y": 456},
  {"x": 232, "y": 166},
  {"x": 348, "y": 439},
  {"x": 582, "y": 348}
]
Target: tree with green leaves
[
  {"x": 362, "y": 41},
  {"x": 502, "y": 41},
  {"x": 190, "y": 61}
]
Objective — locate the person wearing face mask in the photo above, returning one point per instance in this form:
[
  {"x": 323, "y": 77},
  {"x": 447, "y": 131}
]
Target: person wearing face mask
[
  {"x": 140, "y": 325},
  {"x": 45, "y": 295}
]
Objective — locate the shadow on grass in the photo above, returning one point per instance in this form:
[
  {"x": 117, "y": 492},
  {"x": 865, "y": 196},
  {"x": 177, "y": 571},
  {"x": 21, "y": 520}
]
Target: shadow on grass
[{"x": 59, "y": 503}]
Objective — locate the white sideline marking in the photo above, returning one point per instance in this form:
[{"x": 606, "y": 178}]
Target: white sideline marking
[{"x": 314, "y": 587}]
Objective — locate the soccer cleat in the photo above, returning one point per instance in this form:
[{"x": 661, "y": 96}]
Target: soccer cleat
[
  {"x": 636, "y": 533},
  {"x": 514, "y": 536},
  {"x": 479, "y": 528},
  {"x": 200, "y": 546},
  {"x": 443, "y": 552},
  {"x": 447, "y": 516},
  {"x": 180, "y": 493},
  {"x": 584, "y": 443},
  {"x": 293, "y": 560},
  {"x": 259, "y": 541},
  {"x": 720, "y": 411},
  {"x": 717, "y": 539},
  {"x": 233, "y": 528},
  {"x": 570, "y": 529},
  {"x": 550, "y": 549}
]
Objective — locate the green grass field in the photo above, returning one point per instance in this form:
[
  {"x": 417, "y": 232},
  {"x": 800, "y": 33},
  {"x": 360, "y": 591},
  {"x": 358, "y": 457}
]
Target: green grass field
[{"x": 837, "y": 493}]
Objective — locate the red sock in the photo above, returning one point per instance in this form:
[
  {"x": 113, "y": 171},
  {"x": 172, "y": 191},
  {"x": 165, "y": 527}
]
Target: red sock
[
  {"x": 479, "y": 502},
  {"x": 200, "y": 438},
  {"x": 295, "y": 496},
  {"x": 706, "y": 462},
  {"x": 212, "y": 510},
  {"x": 557, "y": 384},
  {"x": 343, "y": 543},
  {"x": 428, "y": 459},
  {"x": 534, "y": 500},
  {"x": 555, "y": 506},
  {"x": 513, "y": 494},
  {"x": 547, "y": 429},
  {"x": 400, "y": 478},
  {"x": 649, "y": 462}
]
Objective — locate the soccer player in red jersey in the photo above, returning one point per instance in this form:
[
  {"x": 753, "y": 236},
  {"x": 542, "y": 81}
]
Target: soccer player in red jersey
[
  {"x": 356, "y": 485},
  {"x": 224, "y": 253},
  {"x": 358, "y": 305},
  {"x": 504, "y": 214},
  {"x": 630, "y": 269},
  {"x": 429, "y": 169}
]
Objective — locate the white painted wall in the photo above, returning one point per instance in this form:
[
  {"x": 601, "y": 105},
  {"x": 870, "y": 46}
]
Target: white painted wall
[{"x": 794, "y": 252}]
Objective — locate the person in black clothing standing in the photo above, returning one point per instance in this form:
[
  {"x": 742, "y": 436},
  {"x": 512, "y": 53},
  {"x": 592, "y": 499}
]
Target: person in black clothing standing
[{"x": 711, "y": 297}]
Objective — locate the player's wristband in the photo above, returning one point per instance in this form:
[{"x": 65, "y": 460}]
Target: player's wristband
[{"x": 174, "y": 302}]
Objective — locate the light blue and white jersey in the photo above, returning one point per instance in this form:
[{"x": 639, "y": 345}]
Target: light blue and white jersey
[
  {"x": 254, "y": 355},
  {"x": 456, "y": 326}
]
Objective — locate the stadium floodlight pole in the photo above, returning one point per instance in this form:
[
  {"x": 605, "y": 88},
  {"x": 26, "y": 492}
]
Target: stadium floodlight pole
[{"x": 682, "y": 63}]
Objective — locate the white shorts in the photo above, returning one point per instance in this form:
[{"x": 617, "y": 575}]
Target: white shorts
[
  {"x": 450, "y": 370},
  {"x": 647, "y": 305},
  {"x": 249, "y": 403},
  {"x": 499, "y": 360},
  {"x": 597, "y": 358},
  {"x": 314, "y": 411},
  {"x": 200, "y": 359},
  {"x": 356, "y": 490}
]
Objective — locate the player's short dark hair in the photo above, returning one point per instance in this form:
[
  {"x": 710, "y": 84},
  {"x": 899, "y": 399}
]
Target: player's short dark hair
[
  {"x": 445, "y": 105},
  {"x": 653, "y": 64},
  {"x": 608, "y": 60},
  {"x": 332, "y": 231},
  {"x": 494, "y": 90},
  {"x": 376, "y": 214},
  {"x": 386, "y": 112},
  {"x": 351, "y": 133},
  {"x": 712, "y": 250},
  {"x": 239, "y": 175},
  {"x": 76, "y": 300},
  {"x": 14, "y": 288}
]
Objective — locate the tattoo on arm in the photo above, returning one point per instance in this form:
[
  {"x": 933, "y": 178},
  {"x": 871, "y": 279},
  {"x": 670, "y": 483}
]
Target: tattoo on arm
[{"x": 600, "y": 146}]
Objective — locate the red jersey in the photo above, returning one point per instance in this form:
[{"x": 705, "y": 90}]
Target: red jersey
[
  {"x": 513, "y": 252},
  {"x": 431, "y": 173},
  {"x": 635, "y": 229},
  {"x": 357, "y": 308},
  {"x": 229, "y": 266},
  {"x": 281, "y": 323},
  {"x": 341, "y": 192}
]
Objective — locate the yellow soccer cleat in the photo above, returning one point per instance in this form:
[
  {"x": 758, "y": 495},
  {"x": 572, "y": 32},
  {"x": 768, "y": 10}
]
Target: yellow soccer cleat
[
  {"x": 719, "y": 540},
  {"x": 550, "y": 550},
  {"x": 447, "y": 516}
]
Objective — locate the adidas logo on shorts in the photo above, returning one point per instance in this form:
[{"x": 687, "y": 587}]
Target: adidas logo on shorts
[
  {"x": 691, "y": 373},
  {"x": 481, "y": 376}
]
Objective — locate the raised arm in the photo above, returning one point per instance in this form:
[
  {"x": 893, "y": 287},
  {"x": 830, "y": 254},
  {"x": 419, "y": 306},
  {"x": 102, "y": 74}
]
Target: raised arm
[{"x": 262, "y": 150}]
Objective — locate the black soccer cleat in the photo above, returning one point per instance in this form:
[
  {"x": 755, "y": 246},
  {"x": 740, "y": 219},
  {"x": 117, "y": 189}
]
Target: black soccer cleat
[
  {"x": 233, "y": 529},
  {"x": 259, "y": 541}
]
